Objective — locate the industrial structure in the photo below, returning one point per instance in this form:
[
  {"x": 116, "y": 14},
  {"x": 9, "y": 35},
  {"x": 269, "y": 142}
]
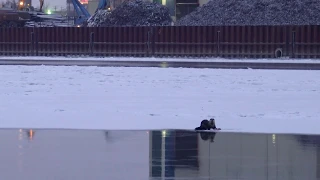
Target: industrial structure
[
  {"x": 24, "y": 14},
  {"x": 78, "y": 11}
]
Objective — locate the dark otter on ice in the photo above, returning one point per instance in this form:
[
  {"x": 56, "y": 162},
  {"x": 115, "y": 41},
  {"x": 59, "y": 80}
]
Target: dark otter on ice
[{"x": 207, "y": 125}]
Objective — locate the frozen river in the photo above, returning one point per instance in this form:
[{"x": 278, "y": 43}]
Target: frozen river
[{"x": 156, "y": 98}]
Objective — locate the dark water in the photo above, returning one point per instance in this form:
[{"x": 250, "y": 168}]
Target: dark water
[{"x": 155, "y": 155}]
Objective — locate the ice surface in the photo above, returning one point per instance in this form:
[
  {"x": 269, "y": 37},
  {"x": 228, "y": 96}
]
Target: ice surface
[{"x": 156, "y": 98}]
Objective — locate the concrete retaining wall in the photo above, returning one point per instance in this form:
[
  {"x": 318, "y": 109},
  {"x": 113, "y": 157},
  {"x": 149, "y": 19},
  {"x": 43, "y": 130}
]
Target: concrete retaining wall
[{"x": 166, "y": 64}]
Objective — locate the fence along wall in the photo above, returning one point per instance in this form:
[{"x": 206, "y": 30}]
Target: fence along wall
[{"x": 211, "y": 41}]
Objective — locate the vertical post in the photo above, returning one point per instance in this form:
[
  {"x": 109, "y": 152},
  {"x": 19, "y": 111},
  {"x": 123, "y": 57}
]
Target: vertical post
[
  {"x": 36, "y": 37},
  {"x": 293, "y": 44},
  {"x": 218, "y": 43},
  {"x": 32, "y": 44},
  {"x": 148, "y": 42},
  {"x": 153, "y": 34},
  {"x": 286, "y": 52},
  {"x": 91, "y": 43}
]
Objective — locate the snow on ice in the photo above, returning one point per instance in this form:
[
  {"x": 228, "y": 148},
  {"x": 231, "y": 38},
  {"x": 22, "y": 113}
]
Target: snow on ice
[{"x": 158, "y": 98}]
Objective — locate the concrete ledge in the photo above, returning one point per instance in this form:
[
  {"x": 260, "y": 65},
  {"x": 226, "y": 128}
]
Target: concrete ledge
[{"x": 165, "y": 64}]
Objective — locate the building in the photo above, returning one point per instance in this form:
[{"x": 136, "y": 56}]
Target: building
[{"x": 180, "y": 8}]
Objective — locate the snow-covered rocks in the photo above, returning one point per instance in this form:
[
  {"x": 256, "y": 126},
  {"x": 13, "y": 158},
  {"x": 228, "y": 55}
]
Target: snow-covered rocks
[
  {"x": 254, "y": 12},
  {"x": 98, "y": 18},
  {"x": 133, "y": 13}
]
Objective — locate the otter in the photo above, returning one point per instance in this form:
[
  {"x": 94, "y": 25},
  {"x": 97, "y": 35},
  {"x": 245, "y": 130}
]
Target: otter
[{"x": 207, "y": 125}]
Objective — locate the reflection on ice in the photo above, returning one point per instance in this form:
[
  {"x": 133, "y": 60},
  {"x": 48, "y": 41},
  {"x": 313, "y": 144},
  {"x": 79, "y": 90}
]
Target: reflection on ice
[
  {"x": 151, "y": 155},
  {"x": 190, "y": 155}
]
